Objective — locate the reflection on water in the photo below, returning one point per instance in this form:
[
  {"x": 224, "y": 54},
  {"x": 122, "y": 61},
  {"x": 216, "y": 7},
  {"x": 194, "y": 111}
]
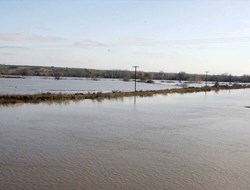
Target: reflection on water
[
  {"x": 134, "y": 99},
  {"x": 178, "y": 141}
]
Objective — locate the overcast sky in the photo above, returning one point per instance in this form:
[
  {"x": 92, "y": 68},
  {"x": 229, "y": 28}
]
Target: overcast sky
[{"x": 171, "y": 36}]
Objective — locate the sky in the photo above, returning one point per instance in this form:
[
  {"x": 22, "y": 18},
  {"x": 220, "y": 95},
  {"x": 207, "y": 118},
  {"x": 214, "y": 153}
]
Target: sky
[{"x": 192, "y": 36}]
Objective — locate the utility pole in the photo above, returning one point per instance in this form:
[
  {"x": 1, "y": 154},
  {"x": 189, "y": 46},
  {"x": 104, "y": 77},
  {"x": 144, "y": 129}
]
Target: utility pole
[
  {"x": 136, "y": 66},
  {"x": 206, "y": 76}
]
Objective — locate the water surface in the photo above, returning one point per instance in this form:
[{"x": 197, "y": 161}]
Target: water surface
[
  {"x": 190, "y": 141},
  {"x": 33, "y": 85}
]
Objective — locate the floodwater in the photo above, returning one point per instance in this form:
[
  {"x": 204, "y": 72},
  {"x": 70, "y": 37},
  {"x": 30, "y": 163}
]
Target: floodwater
[
  {"x": 187, "y": 142},
  {"x": 33, "y": 85}
]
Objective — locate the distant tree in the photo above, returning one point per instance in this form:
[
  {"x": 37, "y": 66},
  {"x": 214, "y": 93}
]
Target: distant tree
[
  {"x": 162, "y": 75},
  {"x": 141, "y": 75},
  {"x": 58, "y": 75},
  {"x": 127, "y": 76},
  {"x": 149, "y": 76},
  {"x": 182, "y": 76},
  {"x": 93, "y": 74}
]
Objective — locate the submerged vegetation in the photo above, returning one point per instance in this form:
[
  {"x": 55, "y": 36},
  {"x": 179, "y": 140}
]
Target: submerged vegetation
[{"x": 59, "y": 97}]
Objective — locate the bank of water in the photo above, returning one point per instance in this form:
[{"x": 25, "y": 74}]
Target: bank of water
[{"x": 175, "y": 141}]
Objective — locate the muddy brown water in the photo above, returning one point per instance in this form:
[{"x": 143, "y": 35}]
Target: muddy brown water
[{"x": 190, "y": 141}]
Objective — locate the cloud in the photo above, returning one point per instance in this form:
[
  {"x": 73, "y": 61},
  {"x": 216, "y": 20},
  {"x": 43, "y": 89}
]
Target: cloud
[
  {"x": 88, "y": 44},
  {"x": 133, "y": 39},
  {"x": 12, "y": 47},
  {"x": 205, "y": 41},
  {"x": 152, "y": 54},
  {"x": 18, "y": 37},
  {"x": 6, "y": 53},
  {"x": 147, "y": 42}
]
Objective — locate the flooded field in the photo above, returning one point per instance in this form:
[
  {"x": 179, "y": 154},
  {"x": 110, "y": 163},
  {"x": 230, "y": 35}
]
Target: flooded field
[
  {"x": 33, "y": 85},
  {"x": 191, "y": 141}
]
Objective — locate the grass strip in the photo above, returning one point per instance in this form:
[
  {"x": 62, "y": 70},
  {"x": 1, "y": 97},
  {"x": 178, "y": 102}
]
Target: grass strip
[{"x": 60, "y": 97}]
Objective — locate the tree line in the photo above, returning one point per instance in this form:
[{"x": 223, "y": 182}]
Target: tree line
[{"x": 126, "y": 75}]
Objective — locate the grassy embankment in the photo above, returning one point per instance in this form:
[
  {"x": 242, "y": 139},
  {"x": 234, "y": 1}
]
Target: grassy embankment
[{"x": 52, "y": 97}]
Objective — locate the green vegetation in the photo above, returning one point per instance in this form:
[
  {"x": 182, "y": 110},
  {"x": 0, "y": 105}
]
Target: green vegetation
[
  {"x": 51, "y": 97},
  {"x": 59, "y": 72}
]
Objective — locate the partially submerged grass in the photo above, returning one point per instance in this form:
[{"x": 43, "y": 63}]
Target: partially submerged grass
[{"x": 59, "y": 97}]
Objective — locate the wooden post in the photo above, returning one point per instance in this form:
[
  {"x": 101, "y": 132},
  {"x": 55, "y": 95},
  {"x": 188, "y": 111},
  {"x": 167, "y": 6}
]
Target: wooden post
[
  {"x": 135, "y": 74},
  {"x": 206, "y": 76}
]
